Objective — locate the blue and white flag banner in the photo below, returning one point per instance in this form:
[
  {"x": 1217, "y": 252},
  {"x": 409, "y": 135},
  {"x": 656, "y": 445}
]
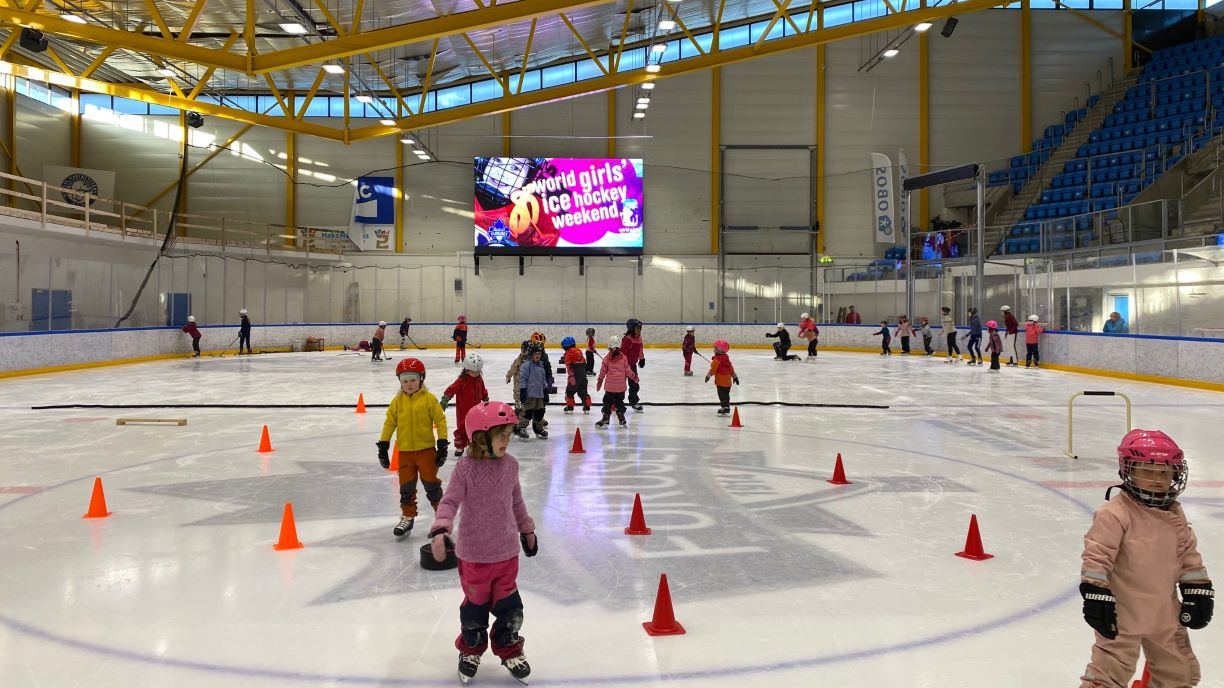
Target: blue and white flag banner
[
  {"x": 375, "y": 201},
  {"x": 882, "y": 199}
]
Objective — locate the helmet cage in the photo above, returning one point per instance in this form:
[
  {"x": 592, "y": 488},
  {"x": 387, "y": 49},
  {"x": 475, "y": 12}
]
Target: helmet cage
[{"x": 1181, "y": 473}]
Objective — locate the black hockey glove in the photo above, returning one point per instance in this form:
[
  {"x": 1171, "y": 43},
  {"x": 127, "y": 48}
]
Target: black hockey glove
[
  {"x": 530, "y": 543},
  {"x": 1197, "y": 605},
  {"x": 443, "y": 451},
  {"x": 444, "y": 401},
  {"x": 735, "y": 379},
  {"x": 384, "y": 453},
  {"x": 642, "y": 363},
  {"x": 1100, "y": 610}
]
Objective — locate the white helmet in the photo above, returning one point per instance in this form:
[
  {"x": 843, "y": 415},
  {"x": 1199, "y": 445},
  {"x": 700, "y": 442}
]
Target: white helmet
[
  {"x": 614, "y": 341},
  {"x": 1033, "y": 318},
  {"x": 382, "y": 323},
  {"x": 781, "y": 325},
  {"x": 191, "y": 318},
  {"x": 242, "y": 312},
  {"x": 690, "y": 328},
  {"x": 473, "y": 362},
  {"x": 1005, "y": 308},
  {"x": 804, "y": 316}
]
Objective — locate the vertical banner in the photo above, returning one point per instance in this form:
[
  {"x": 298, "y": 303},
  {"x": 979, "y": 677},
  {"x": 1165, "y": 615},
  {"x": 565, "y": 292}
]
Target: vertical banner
[
  {"x": 372, "y": 227},
  {"x": 903, "y": 215},
  {"x": 882, "y": 199}
]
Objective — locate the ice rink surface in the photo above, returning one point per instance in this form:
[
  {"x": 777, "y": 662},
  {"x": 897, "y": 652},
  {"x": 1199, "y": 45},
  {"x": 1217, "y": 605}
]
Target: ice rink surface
[{"x": 780, "y": 578}]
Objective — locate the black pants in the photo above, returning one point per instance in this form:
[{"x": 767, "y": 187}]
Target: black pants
[
  {"x": 812, "y": 348},
  {"x": 634, "y": 387},
  {"x": 195, "y": 345},
  {"x": 244, "y": 337},
  {"x": 926, "y": 344},
  {"x": 614, "y": 400},
  {"x": 1031, "y": 355},
  {"x": 724, "y": 396},
  {"x": 975, "y": 347},
  {"x": 994, "y": 360},
  {"x": 780, "y": 350},
  {"x": 952, "y": 346},
  {"x": 578, "y": 389},
  {"x": 885, "y": 347},
  {"x": 904, "y": 344},
  {"x": 376, "y": 348},
  {"x": 590, "y": 362}
]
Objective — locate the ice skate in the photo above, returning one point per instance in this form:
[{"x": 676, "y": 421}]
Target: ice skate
[
  {"x": 688, "y": 373},
  {"x": 404, "y": 527},
  {"x": 468, "y": 664},
  {"x": 586, "y": 410},
  {"x": 459, "y": 451},
  {"x": 723, "y": 410},
  {"x": 568, "y": 409},
  {"x": 637, "y": 407},
  {"x": 602, "y": 422},
  {"x": 620, "y": 418},
  {"x": 540, "y": 432},
  {"x": 521, "y": 433},
  {"x": 519, "y": 668}
]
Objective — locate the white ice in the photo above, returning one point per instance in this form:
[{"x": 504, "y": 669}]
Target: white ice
[{"x": 780, "y": 578}]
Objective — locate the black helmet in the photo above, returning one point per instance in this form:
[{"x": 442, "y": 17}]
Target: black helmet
[
  {"x": 526, "y": 345},
  {"x": 972, "y": 310},
  {"x": 534, "y": 348},
  {"x": 946, "y": 309},
  {"x": 631, "y": 323},
  {"x": 590, "y": 332}
]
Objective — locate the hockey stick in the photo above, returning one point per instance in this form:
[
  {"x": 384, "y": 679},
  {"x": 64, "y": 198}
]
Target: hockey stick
[
  {"x": 227, "y": 347},
  {"x": 702, "y": 357},
  {"x": 418, "y": 346}
]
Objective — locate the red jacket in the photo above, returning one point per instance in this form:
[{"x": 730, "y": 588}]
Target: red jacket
[
  {"x": 467, "y": 391},
  {"x": 631, "y": 347},
  {"x": 853, "y": 318},
  {"x": 690, "y": 344},
  {"x": 616, "y": 369},
  {"x": 591, "y": 344},
  {"x": 1009, "y": 322},
  {"x": 574, "y": 362},
  {"x": 806, "y": 325},
  {"x": 191, "y": 329},
  {"x": 722, "y": 370}
]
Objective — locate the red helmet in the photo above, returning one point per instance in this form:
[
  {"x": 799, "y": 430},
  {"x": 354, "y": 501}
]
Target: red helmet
[
  {"x": 463, "y": 318},
  {"x": 722, "y": 345},
  {"x": 410, "y": 365}
]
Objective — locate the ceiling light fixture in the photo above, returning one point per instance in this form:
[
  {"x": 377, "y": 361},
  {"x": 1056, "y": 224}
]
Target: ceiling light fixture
[
  {"x": 74, "y": 18},
  {"x": 333, "y": 69},
  {"x": 653, "y": 68},
  {"x": 387, "y": 122},
  {"x": 644, "y": 99},
  {"x": 922, "y": 26},
  {"x": 363, "y": 98},
  {"x": 293, "y": 28},
  {"x": 165, "y": 71},
  {"x": 642, "y": 106},
  {"x": 658, "y": 48},
  {"x": 891, "y": 52},
  {"x": 666, "y": 25},
  {"x": 408, "y": 140},
  {"x": 639, "y": 115},
  {"x": 649, "y": 85}
]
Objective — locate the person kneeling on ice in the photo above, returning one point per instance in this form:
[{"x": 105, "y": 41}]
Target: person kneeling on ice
[
  {"x": 615, "y": 372},
  {"x": 485, "y": 488},
  {"x": 376, "y": 342},
  {"x": 687, "y": 348},
  {"x": 1139, "y": 551},
  {"x": 576, "y": 379},
  {"x": 191, "y": 329},
  {"x": 467, "y": 390},
  {"x": 724, "y": 374},
  {"x": 535, "y": 379},
  {"x": 783, "y": 345},
  {"x": 412, "y": 417}
]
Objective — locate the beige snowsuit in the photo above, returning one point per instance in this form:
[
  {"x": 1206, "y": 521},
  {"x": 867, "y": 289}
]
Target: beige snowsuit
[
  {"x": 1141, "y": 554},
  {"x": 513, "y": 374}
]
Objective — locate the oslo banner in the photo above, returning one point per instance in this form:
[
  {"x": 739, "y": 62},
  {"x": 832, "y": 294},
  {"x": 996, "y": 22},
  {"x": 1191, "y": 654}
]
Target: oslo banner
[{"x": 882, "y": 199}]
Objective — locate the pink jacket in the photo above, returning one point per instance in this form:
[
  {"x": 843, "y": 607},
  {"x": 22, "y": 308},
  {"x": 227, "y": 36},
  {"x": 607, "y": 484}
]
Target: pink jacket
[
  {"x": 615, "y": 370},
  {"x": 994, "y": 345},
  {"x": 1141, "y": 553},
  {"x": 494, "y": 514},
  {"x": 631, "y": 347},
  {"x": 1032, "y": 332}
]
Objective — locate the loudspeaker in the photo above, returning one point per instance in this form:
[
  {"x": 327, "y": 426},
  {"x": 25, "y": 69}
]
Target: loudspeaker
[
  {"x": 32, "y": 40},
  {"x": 949, "y": 27},
  {"x": 195, "y": 120}
]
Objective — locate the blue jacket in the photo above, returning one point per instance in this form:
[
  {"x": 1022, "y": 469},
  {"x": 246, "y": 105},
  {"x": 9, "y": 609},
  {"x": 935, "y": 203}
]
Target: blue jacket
[
  {"x": 975, "y": 326},
  {"x": 534, "y": 378},
  {"x": 1115, "y": 328}
]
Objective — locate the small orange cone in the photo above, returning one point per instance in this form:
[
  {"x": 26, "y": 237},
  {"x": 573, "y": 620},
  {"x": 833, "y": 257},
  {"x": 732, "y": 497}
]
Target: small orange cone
[
  {"x": 735, "y": 421},
  {"x": 577, "y": 448},
  {"x": 360, "y": 403},
  {"x": 288, "y": 533},
  {"x": 637, "y": 520},
  {"x": 97, "y": 502},
  {"x": 1147, "y": 676},
  {"x": 664, "y": 621},
  {"x": 839, "y": 473},
  {"x": 394, "y": 460},
  {"x": 265, "y": 442},
  {"x": 973, "y": 543}
]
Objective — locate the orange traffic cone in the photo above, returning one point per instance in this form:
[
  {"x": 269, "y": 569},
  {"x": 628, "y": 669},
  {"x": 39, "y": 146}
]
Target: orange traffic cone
[
  {"x": 360, "y": 403},
  {"x": 265, "y": 442},
  {"x": 735, "y": 421},
  {"x": 288, "y": 533},
  {"x": 839, "y": 473},
  {"x": 637, "y": 520},
  {"x": 664, "y": 621},
  {"x": 394, "y": 460},
  {"x": 1147, "y": 676},
  {"x": 973, "y": 543},
  {"x": 577, "y": 448},
  {"x": 97, "y": 502}
]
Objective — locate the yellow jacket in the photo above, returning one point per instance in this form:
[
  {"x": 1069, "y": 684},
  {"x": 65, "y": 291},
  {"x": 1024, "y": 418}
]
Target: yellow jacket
[{"x": 412, "y": 419}]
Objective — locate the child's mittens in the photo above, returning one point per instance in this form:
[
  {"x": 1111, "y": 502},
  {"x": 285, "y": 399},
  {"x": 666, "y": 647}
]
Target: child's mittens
[
  {"x": 384, "y": 453},
  {"x": 530, "y": 544},
  {"x": 442, "y": 452},
  {"x": 437, "y": 541},
  {"x": 1100, "y": 609},
  {"x": 444, "y": 401},
  {"x": 707, "y": 378},
  {"x": 1197, "y": 605},
  {"x": 735, "y": 379}
]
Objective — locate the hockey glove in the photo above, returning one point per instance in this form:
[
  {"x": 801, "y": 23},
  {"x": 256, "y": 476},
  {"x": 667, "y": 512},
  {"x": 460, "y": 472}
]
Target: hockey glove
[
  {"x": 437, "y": 542},
  {"x": 1100, "y": 610},
  {"x": 384, "y": 454},
  {"x": 707, "y": 378},
  {"x": 735, "y": 379},
  {"x": 445, "y": 401},
  {"x": 530, "y": 544},
  {"x": 642, "y": 363},
  {"x": 443, "y": 452},
  {"x": 1197, "y": 605}
]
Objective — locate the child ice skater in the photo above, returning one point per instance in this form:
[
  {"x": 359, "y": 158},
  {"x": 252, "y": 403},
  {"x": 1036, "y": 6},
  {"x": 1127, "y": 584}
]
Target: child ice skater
[
  {"x": 809, "y": 331},
  {"x": 590, "y": 351},
  {"x": 885, "y": 338},
  {"x": 485, "y": 489},
  {"x": 460, "y": 335},
  {"x": 1011, "y": 328},
  {"x": 724, "y": 375},
  {"x": 575, "y": 376},
  {"x": 535, "y": 379},
  {"x": 404, "y": 326},
  {"x": 512, "y": 375},
  {"x": 924, "y": 326},
  {"x": 904, "y": 330},
  {"x": 616, "y": 372},
  {"x": 1032, "y": 337},
  {"x": 191, "y": 329},
  {"x": 994, "y": 346},
  {"x": 467, "y": 390},
  {"x": 631, "y": 348},
  {"x": 412, "y": 416},
  {"x": 244, "y": 331},
  {"x": 687, "y": 347},
  {"x": 974, "y": 347},
  {"x": 949, "y": 331},
  {"x": 1138, "y": 553},
  {"x": 376, "y": 342}
]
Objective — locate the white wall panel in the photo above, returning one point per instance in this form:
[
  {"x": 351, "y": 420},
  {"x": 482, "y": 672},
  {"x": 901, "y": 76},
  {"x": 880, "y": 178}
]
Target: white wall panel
[
  {"x": 242, "y": 182},
  {"x": 44, "y": 137},
  {"x": 770, "y": 101},
  {"x": 1067, "y": 53}
]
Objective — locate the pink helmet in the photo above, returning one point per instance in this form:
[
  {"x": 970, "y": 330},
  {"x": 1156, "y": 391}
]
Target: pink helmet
[
  {"x": 487, "y": 415},
  {"x": 722, "y": 345},
  {"x": 1151, "y": 447},
  {"x": 994, "y": 325},
  {"x": 463, "y": 318}
]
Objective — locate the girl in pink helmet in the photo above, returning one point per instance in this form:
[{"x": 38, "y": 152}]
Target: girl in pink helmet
[
  {"x": 1139, "y": 551},
  {"x": 485, "y": 486},
  {"x": 994, "y": 346},
  {"x": 724, "y": 374}
]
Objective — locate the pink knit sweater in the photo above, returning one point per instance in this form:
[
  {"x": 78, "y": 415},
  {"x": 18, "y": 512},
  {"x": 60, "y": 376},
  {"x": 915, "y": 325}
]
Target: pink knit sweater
[{"x": 493, "y": 510}]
